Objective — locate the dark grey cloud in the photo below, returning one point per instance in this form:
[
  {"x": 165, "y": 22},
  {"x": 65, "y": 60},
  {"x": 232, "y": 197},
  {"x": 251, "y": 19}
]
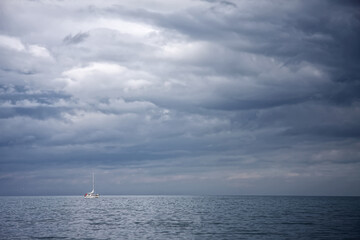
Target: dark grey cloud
[
  {"x": 319, "y": 33},
  {"x": 77, "y": 38},
  {"x": 220, "y": 97},
  {"x": 21, "y": 101}
]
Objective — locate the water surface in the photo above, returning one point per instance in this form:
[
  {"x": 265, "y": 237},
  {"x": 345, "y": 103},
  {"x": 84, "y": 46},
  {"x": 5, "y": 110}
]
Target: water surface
[{"x": 180, "y": 217}]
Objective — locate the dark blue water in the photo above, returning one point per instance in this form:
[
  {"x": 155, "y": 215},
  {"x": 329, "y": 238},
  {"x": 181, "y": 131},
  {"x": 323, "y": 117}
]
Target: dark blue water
[{"x": 180, "y": 217}]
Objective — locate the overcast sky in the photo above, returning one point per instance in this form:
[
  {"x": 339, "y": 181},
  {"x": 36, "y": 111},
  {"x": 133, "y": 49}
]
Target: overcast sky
[{"x": 180, "y": 97}]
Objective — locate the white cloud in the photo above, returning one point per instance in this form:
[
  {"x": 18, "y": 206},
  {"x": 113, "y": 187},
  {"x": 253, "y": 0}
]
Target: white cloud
[
  {"x": 106, "y": 80},
  {"x": 39, "y": 51},
  {"x": 11, "y": 43},
  {"x": 122, "y": 26},
  {"x": 16, "y": 44},
  {"x": 83, "y": 73}
]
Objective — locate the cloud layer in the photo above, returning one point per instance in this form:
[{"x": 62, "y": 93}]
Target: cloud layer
[{"x": 190, "y": 97}]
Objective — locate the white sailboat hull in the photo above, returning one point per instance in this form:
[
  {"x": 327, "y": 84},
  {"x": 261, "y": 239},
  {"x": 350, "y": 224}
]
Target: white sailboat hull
[{"x": 91, "y": 195}]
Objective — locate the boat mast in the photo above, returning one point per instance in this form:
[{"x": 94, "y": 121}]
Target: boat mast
[{"x": 93, "y": 183}]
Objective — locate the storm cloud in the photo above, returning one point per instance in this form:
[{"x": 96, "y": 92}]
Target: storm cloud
[{"x": 180, "y": 97}]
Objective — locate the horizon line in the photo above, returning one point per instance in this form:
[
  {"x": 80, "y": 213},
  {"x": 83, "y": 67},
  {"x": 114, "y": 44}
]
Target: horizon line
[{"x": 190, "y": 195}]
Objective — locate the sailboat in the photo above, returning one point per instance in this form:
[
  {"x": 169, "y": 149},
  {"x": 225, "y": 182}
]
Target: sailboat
[{"x": 92, "y": 194}]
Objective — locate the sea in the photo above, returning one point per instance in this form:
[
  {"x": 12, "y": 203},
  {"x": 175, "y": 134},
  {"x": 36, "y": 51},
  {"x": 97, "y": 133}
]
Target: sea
[{"x": 180, "y": 217}]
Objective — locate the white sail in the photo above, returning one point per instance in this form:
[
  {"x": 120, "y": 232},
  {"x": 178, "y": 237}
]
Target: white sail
[
  {"x": 93, "y": 190},
  {"x": 92, "y": 194}
]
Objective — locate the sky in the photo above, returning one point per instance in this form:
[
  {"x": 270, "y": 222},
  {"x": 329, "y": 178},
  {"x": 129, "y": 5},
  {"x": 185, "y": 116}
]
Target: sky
[{"x": 180, "y": 97}]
